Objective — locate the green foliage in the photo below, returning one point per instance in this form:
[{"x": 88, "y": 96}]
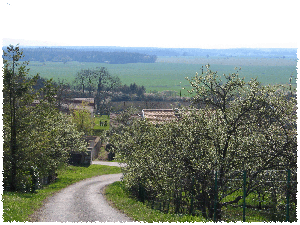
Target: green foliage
[
  {"x": 83, "y": 119},
  {"x": 122, "y": 200},
  {"x": 37, "y": 138},
  {"x": 101, "y": 82},
  {"x": 16, "y": 96},
  {"x": 240, "y": 126}
]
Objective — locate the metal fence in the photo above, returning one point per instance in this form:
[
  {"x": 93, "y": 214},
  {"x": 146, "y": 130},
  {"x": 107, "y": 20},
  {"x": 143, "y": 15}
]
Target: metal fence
[
  {"x": 271, "y": 194},
  {"x": 268, "y": 195}
]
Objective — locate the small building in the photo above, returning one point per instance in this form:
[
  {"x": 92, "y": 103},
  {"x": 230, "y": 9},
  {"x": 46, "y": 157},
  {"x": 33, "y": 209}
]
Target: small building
[
  {"x": 86, "y": 158},
  {"x": 88, "y": 101},
  {"x": 77, "y": 103},
  {"x": 158, "y": 116}
]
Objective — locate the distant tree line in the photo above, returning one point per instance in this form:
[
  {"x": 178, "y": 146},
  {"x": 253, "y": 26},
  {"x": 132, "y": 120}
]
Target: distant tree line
[
  {"x": 132, "y": 89},
  {"x": 83, "y": 88},
  {"x": 65, "y": 55},
  {"x": 95, "y": 83}
]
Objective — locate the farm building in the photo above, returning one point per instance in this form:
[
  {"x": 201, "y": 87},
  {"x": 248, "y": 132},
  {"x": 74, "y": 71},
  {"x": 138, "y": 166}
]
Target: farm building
[
  {"x": 89, "y": 101},
  {"x": 77, "y": 103},
  {"x": 114, "y": 122},
  {"x": 157, "y": 116},
  {"x": 93, "y": 147},
  {"x": 73, "y": 103}
]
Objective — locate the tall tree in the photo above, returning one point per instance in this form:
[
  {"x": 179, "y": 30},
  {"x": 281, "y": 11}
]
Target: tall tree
[
  {"x": 106, "y": 84},
  {"x": 37, "y": 138},
  {"x": 83, "y": 118},
  {"x": 17, "y": 94},
  {"x": 63, "y": 93},
  {"x": 100, "y": 85},
  {"x": 250, "y": 127},
  {"x": 82, "y": 79}
]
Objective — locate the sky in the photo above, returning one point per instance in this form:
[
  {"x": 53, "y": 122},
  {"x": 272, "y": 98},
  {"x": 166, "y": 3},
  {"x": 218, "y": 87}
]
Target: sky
[{"x": 163, "y": 23}]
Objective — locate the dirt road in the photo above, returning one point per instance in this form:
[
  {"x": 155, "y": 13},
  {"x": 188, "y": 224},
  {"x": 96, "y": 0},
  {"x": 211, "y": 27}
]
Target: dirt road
[
  {"x": 82, "y": 202},
  {"x": 107, "y": 163}
]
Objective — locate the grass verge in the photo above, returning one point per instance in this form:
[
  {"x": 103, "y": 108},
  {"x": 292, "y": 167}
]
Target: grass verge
[
  {"x": 20, "y": 206},
  {"x": 120, "y": 199},
  {"x": 104, "y": 120}
]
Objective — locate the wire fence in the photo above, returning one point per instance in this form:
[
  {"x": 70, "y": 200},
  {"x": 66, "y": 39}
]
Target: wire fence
[{"x": 268, "y": 195}]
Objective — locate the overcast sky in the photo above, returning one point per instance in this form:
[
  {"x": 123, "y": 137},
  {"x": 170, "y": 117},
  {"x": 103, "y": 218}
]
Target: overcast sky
[{"x": 199, "y": 24}]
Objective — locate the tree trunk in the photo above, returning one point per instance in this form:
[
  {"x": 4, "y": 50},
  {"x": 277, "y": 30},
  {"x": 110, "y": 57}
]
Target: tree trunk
[{"x": 13, "y": 137}]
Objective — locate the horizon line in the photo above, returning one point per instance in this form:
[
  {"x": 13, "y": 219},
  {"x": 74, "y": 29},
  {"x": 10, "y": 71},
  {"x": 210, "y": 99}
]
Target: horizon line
[{"x": 116, "y": 46}]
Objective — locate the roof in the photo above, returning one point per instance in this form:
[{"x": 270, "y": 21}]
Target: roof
[
  {"x": 159, "y": 115},
  {"x": 114, "y": 122},
  {"x": 80, "y": 100}
]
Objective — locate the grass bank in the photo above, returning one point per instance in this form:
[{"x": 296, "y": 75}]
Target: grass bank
[
  {"x": 102, "y": 122},
  {"x": 120, "y": 199},
  {"x": 19, "y": 206}
]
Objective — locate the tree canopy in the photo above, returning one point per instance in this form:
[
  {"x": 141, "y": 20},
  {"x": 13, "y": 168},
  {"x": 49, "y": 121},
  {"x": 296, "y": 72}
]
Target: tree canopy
[
  {"x": 37, "y": 137},
  {"x": 240, "y": 126}
]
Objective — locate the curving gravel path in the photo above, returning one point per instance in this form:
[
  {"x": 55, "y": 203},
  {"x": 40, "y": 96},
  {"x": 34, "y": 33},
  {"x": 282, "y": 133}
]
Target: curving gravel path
[
  {"x": 82, "y": 202},
  {"x": 109, "y": 163}
]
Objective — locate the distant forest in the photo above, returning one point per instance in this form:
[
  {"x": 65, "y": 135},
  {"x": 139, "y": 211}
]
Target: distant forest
[
  {"x": 44, "y": 54},
  {"x": 194, "y": 52},
  {"x": 123, "y": 55}
]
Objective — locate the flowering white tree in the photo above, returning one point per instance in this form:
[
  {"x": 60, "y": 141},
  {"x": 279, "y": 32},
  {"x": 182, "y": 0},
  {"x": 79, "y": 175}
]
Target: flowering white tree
[
  {"x": 251, "y": 127},
  {"x": 242, "y": 126}
]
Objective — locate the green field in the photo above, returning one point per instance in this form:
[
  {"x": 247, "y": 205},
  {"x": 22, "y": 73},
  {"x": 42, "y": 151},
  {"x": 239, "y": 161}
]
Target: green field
[{"x": 169, "y": 73}]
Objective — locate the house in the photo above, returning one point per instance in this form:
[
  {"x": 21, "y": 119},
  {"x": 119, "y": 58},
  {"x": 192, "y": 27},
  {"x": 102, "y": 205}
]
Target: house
[
  {"x": 114, "y": 122},
  {"x": 78, "y": 101},
  {"x": 158, "y": 116},
  {"x": 74, "y": 103},
  {"x": 155, "y": 116}
]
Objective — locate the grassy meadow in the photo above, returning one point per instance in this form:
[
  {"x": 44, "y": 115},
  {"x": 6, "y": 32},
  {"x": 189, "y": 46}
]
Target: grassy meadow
[
  {"x": 101, "y": 121},
  {"x": 168, "y": 73}
]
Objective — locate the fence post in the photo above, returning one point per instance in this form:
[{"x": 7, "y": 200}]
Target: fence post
[
  {"x": 141, "y": 192},
  {"x": 192, "y": 197},
  {"x": 168, "y": 204},
  {"x": 178, "y": 197},
  {"x": 244, "y": 195},
  {"x": 216, "y": 195},
  {"x": 288, "y": 196}
]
